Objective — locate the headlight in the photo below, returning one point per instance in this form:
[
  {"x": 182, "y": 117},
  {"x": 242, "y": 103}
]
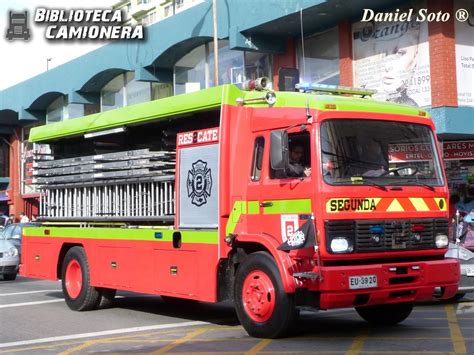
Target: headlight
[
  {"x": 441, "y": 241},
  {"x": 12, "y": 251},
  {"x": 341, "y": 245}
]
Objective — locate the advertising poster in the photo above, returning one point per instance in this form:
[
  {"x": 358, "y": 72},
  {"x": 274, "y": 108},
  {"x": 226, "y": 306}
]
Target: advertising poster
[
  {"x": 393, "y": 58},
  {"x": 464, "y": 32}
]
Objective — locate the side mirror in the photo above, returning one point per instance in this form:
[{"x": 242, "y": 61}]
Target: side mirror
[
  {"x": 17, "y": 236},
  {"x": 279, "y": 158}
]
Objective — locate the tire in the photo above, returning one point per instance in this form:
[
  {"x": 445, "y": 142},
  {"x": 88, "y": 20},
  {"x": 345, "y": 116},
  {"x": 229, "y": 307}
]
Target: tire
[
  {"x": 276, "y": 312},
  {"x": 385, "y": 314},
  {"x": 9, "y": 277},
  {"x": 75, "y": 275},
  {"x": 457, "y": 297},
  {"x": 107, "y": 297}
]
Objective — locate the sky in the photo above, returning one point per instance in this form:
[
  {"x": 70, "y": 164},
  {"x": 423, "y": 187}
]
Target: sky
[{"x": 21, "y": 60}]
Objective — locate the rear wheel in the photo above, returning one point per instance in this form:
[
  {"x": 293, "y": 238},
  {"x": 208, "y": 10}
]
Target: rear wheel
[
  {"x": 78, "y": 293},
  {"x": 386, "y": 314},
  {"x": 262, "y": 306},
  {"x": 9, "y": 277}
]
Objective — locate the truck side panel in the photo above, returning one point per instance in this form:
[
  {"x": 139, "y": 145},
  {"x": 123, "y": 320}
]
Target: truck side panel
[{"x": 141, "y": 260}]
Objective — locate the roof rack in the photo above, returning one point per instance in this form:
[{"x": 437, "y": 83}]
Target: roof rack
[{"x": 334, "y": 89}]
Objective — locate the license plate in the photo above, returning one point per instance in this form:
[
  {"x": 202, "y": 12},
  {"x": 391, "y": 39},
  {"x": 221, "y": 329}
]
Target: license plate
[
  {"x": 470, "y": 271},
  {"x": 366, "y": 281}
]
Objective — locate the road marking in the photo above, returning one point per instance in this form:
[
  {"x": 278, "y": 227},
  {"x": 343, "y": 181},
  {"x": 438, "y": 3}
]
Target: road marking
[
  {"x": 27, "y": 293},
  {"x": 465, "y": 307},
  {"x": 29, "y": 303},
  {"x": 456, "y": 335},
  {"x": 358, "y": 342},
  {"x": 102, "y": 333},
  {"x": 181, "y": 340},
  {"x": 260, "y": 345}
]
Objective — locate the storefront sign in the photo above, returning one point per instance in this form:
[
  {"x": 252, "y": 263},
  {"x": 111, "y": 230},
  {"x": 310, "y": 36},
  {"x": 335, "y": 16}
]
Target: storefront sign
[
  {"x": 409, "y": 152},
  {"x": 465, "y": 56},
  {"x": 458, "y": 150}
]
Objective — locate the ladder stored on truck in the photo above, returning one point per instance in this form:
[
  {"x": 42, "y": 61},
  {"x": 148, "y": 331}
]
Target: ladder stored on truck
[{"x": 134, "y": 185}]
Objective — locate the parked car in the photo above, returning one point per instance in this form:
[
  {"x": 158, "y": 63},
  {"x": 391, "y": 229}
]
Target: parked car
[
  {"x": 9, "y": 259},
  {"x": 463, "y": 250},
  {"x": 13, "y": 232}
]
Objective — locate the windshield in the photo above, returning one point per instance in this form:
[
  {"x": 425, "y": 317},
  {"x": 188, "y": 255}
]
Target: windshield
[{"x": 379, "y": 152}]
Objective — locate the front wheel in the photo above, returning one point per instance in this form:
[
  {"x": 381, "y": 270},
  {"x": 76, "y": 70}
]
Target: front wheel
[
  {"x": 262, "y": 306},
  {"x": 385, "y": 314},
  {"x": 78, "y": 293}
]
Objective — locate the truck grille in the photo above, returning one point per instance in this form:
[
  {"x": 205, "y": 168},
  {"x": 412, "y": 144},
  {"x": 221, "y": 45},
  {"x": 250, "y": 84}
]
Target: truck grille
[{"x": 406, "y": 234}]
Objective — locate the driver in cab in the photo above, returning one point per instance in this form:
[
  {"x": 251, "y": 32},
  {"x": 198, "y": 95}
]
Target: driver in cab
[{"x": 372, "y": 154}]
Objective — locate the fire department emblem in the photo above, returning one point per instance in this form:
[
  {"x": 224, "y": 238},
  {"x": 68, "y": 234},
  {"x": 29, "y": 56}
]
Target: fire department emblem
[{"x": 199, "y": 183}]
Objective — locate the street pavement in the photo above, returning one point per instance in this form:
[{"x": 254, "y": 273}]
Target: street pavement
[{"x": 34, "y": 319}]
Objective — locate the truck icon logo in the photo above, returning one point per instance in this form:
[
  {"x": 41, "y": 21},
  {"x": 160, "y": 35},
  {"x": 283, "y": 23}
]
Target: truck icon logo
[
  {"x": 199, "y": 183},
  {"x": 18, "y": 26}
]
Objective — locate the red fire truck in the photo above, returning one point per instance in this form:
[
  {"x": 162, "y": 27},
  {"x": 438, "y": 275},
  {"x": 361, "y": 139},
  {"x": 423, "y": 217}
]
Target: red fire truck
[{"x": 321, "y": 198}]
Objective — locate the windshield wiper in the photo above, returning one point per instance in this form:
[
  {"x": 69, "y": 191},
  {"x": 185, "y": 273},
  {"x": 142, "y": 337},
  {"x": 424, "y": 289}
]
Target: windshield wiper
[
  {"x": 360, "y": 180},
  {"x": 419, "y": 183},
  {"x": 373, "y": 183}
]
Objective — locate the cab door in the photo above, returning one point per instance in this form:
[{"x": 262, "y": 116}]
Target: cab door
[{"x": 285, "y": 201}]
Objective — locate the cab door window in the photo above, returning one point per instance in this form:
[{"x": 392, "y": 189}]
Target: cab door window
[{"x": 299, "y": 157}]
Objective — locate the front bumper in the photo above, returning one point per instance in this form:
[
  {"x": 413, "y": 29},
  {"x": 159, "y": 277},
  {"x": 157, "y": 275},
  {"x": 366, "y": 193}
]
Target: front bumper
[
  {"x": 9, "y": 264},
  {"x": 396, "y": 282},
  {"x": 466, "y": 283}
]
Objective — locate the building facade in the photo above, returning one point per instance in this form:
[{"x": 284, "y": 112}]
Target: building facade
[{"x": 422, "y": 63}]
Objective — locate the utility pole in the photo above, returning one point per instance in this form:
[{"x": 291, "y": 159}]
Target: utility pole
[
  {"x": 47, "y": 63},
  {"x": 216, "y": 46}
]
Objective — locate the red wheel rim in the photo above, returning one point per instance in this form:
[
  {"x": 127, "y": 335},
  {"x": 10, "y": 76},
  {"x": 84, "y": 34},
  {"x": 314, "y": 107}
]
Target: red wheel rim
[
  {"x": 258, "y": 296},
  {"x": 73, "y": 279}
]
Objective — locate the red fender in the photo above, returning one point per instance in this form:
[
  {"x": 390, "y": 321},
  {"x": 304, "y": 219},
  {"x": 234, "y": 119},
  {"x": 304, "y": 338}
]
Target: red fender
[{"x": 282, "y": 259}]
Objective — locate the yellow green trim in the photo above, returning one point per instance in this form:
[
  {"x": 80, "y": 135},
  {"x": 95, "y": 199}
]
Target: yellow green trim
[
  {"x": 253, "y": 207},
  {"x": 200, "y": 237},
  {"x": 278, "y": 207},
  {"x": 288, "y": 206}
]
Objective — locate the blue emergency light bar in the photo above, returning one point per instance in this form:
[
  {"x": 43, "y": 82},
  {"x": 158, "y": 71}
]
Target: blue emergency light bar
[{"x": 334, "y": 89}]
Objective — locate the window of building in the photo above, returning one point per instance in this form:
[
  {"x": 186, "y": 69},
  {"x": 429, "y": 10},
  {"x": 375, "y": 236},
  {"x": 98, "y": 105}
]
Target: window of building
[
  {"x": 257, "y": 65},
  {"x": 4, "y": 156},
  {"x": 299, "y": 157},
  {"x": 149, "y": 18},
  {"x": 231, "y": 64},
  {"x": 161, "y": 90},
  {"x": 168, "y": 10},
  {"x": 112, "y": 94},
  {"x": 56, "y": 111},
  {"x": 190, "y": 71},
  {"x": 195, "y": 71},
  {"x": 320, "y": 63},
  {"x": 257, "y": 159}
]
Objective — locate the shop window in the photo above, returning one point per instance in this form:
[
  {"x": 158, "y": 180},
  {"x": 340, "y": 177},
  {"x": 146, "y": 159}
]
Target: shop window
[
  {"x": 320, "y": 63},
  {"x": 231, "y": 65},
  {"x": 112, "y": 94},
  {"x": 161, "y": 90},
  {"x": 55, "y": 112},
  {"x": 4, "y": 156},
  {"x": 190, "y": 71},
  {"x": 257, "y": 65},
  {"x": 136, "y": 91},
  {"x": 257, "y": 159}
]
